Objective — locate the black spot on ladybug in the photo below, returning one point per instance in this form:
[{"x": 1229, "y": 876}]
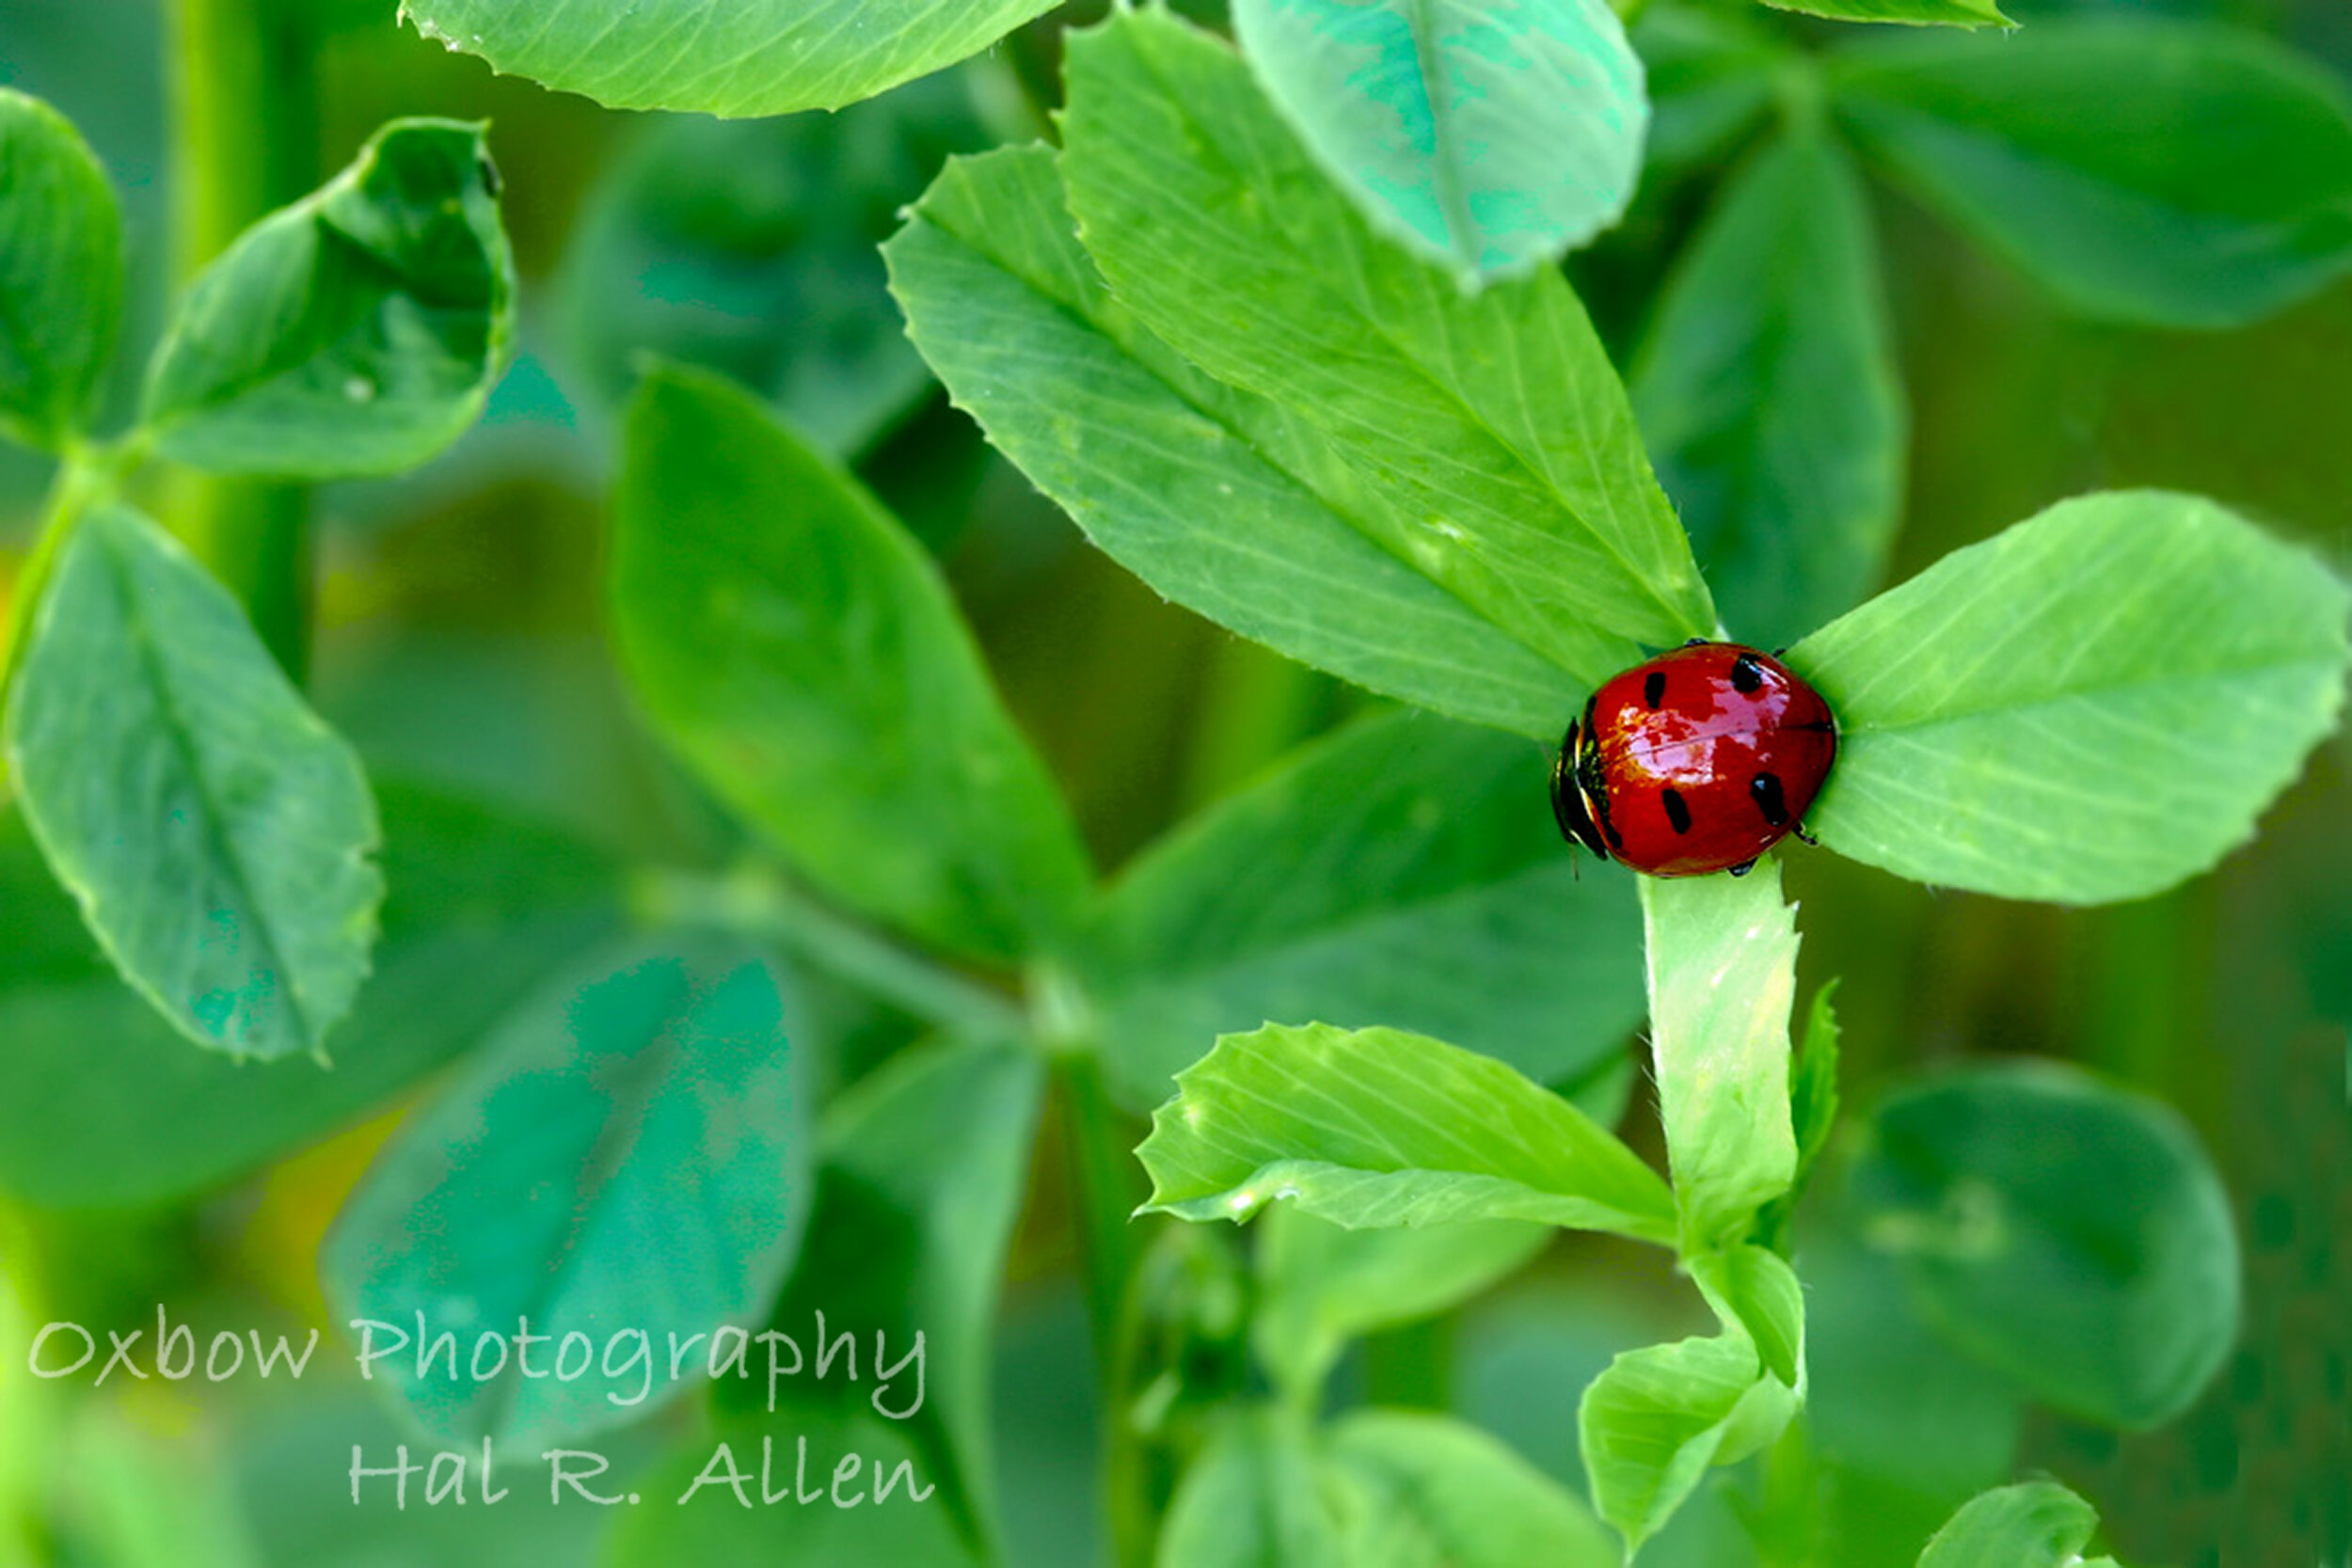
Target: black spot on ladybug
[
  {"x": 1764, "y": 789},
  {"x": 1746, "y": 678},
  {"x": 1654, "y": 688},
  {"x": 1695, "y": 642},
  {"x": 1677, "y": 813},
  {"x": 1741, "y": 869},
  {"x": 1616, "y": 839}
]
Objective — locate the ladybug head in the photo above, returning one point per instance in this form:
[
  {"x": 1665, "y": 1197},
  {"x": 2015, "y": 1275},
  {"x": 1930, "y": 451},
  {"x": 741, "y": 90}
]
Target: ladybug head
[{"x": 1568, "y": 797}]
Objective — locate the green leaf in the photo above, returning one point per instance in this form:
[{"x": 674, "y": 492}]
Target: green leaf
[
  {"x": 1948, "y": 13},
  {"x": 2092, "y": 706},
  {"x": 1654, "y": 1421},
  {"x": 1754, "y": 1292},
  {"x": 801, "y": 653},
  {"x": 624, "y": 1159},
  {"x": 748, "y": 246},
  {"x": 2038, "y": 1524},
  {"x": 1321, "y": 1286},
  {"x": 729, "y": 1501},
  {"x": 754, "y": 58},
  {"x": 1380, "y": 1128},
  {"x": 102, "y": 1105},
  {"x": 2072, "y": 1236},
  {"x": 1138, "y": 447},
  {"x": 1517, "y": 478},
  {"x": 356, "y": 332},
  {"x": 1392, "y": 874},
  {"x": 1812, "y": 1091},
  {"x": 60, "y": 273},
  {"x": 1769, "y": 391},
  {"x": 1722, "y": 973},
  {"x": 214, "y": 832},
  {"x": 1431, "y": 1492},
  {"x": 1711, "y": 78},
  {"x": 2088, "y": 150},
  {"x": 1254, "y": 1494},
  {"x": 1491, "y": 140},
  {"x": 923, "y": 1168}
]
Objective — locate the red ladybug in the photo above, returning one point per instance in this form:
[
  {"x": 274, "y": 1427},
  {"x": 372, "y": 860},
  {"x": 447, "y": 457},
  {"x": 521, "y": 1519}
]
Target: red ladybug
[{"x": 1697, "y": 761}]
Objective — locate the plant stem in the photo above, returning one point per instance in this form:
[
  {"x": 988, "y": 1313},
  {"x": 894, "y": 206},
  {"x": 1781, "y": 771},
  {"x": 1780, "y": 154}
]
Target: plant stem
[
  {"x": 756, "y": 904},
  {"x": 245, "y": 127}
]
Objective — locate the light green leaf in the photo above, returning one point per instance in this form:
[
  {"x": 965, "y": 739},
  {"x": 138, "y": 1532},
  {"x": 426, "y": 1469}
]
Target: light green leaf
[
  {"x": 748, "y": 246},
  {"x": 358, "y": 331},
  {"x": 1654, "y": 1421},
  {"x": 1948, "y": 13},
  {"x": 1489, "y": 139},
  {"x": 2086, "y": 151},
  {"x": 1379, "y": 1128},
  {"x": 2072, "y": 1236},
  {"x": 1255, "y": 1495},
  {"x": 2092, "y": 706},
  {"x": 1812, "y": 1100},
  {"x": 1321, "y": 1285},
  {"x": 60, "y": 272},
  {"x": 924, "y": 1162},
  {"x": 1723, "y": 973},
  {"x": 1393, "y": 874},
  {"x": 1139, "y": 447},
  {"x": 102, "y": 1105},
  {"x": 625, "y": 1158},
  {"x": 1431, "y": 1492},
  {"x": 1769, "y": 391},
  {"x": 216, "y": 834},
  {"x": 752, "y": 57},
  {"x": 1754, "y": 1292},
  {"x": 1495, "y": 423},
  {"x": 2038, "y": 1524},
  {"x": 803, "y": 654}
]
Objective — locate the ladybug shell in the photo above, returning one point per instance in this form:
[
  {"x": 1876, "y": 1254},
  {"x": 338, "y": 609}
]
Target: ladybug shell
[{"x": 1698, "y": 760}]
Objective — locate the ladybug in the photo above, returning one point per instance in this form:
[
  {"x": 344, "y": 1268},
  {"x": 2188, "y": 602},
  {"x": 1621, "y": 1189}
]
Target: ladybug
[{"x": 1698, "y": 760}]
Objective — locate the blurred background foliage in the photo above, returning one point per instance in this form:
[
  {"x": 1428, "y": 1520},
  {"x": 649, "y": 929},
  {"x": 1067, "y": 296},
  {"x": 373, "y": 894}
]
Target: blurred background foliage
[{"x": 460, "y": 644}]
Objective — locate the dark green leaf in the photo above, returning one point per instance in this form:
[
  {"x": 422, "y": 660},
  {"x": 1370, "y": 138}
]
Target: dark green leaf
[
  {"x": 625, "y": 1161},
  {"x": 1430, "y": 1492},
  {"x": 1321, "y": 1285},
  {"x": 358, "y": 331},
  {"x": 102, "y": 1105},
  {"x": 803, "y": 654},
  {"x": 748, "y": 246},
  {"x": 1400, "y": 873},
  {"x": 1139, "y": 447},
  {"x": 1711, "y": 78},
  {"x": 2070, "y": 1235},
  {"x": 60, "y": 272},
  {"x": 1491, "y": 140},
  {"x": 2165, "y": 172},
  {"x": 752, "y": 57},
  {"x": 921, "y": 1182},
  {"x": 1495, "y": 423},
  {"x": 215, "y": 833},
  {"x": 768, "y": 1500},
  {"x": 2038, "y": 1524},
  {"x": 1723, "y": 972},
  {"x": 1768, "y": 389},
  {"x": 1380, "y": 1128},
  {"x": 2092, "y": 706}
]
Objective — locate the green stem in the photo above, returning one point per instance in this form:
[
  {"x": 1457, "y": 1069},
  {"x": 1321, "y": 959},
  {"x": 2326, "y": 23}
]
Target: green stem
[
  {"x": 1102, "y": 1176},
  {"x": 245, "y": 128},
  {"x": 759, "y": 905}
]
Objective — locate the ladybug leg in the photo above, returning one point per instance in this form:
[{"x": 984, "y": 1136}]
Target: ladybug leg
[
  {"x": 1695, "y": 642},
  {"x": 1798, "y": 828},
  {"x": 1743, "y": 869}
]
